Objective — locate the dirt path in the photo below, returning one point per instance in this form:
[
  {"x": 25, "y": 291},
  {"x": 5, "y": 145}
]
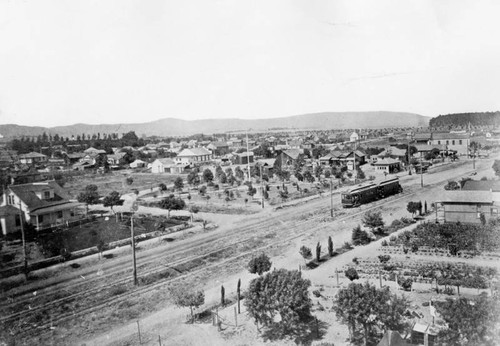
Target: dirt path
[{"x": 168, "y": 320}]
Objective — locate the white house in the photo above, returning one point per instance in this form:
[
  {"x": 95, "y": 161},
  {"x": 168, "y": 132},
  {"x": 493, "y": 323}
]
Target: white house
[
  {"x": 137, "y": 164},
  {"x": 193, "y": 155},
  {"x": 354, "y": 137}
]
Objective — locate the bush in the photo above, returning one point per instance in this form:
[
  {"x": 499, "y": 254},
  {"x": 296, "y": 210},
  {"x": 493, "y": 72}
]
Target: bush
[
  {"x": 384, "y": 243},
  {"x": 347, "y": 246},
  {"x": 405, "y": 284},
  {"x": 316, "y": 293},
  {"x": 351, "y": 274},
  {"x": 360, "y": 237},
  {"x": 384, "y": 258},
  {"x": 449, "y": 291}
]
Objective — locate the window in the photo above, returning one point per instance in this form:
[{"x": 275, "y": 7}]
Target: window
[
  {"x": 447, "y": 142},
  {"x": 59, "y": 214},
  {"x": 18, "y": 221},
  {"x": 439, "y": 142},
  {"x": 460, "y": 142},
  {"x": 10, "y": 199},
  {"x": 46, "y": 195},
  {"x": 453, "y": 142},
  {"x": 40, "y": 218}
]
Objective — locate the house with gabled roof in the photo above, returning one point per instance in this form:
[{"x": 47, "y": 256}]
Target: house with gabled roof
[
  {"x": 467, "y": 206},
  {"x": 287, "y": 158},
  {"x": 32, "y": 158},
  {"x": 42, "y": 204},
  {"x": 243, "y": 158},
  {"x": 453, "y": 141},
  {"x": 194, "y": 156},
  {"x": 388, "y": 165},
  {"x": 218, "y": 148}
]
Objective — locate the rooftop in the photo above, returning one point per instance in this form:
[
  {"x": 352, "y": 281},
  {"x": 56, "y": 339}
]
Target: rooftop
[{"x": 460, "y": 196}]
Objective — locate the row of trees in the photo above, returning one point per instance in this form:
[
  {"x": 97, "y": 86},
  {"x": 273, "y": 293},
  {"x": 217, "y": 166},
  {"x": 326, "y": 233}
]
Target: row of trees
[{"x": 98, "y": 141}]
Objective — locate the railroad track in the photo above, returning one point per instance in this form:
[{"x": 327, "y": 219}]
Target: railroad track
[
  {"x": 144, "y": 273},
  {"x": 253, "y": 229}
]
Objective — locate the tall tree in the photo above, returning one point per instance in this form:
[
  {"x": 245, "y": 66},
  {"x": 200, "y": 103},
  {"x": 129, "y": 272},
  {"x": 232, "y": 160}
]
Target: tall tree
[
  {"x": 364, "y": 308},
  {"x": 208, "y": 176},
  {"x": 373, "y": 220},
  {"x": 112, "y": 199},
  {"x": 280, "y": 293},
  {"x": 89, "y": 196},
  {"x": 178, "y": 183},
  {"x": 470, "y": 322},
  {"x": 172, "y": 203},
  {"x": 184, "y": 296}
]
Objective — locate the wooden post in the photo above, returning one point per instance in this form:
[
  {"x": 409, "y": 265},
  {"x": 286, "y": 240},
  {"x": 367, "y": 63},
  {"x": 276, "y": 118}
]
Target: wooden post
[
  {"x": 380, "y": 278},
  {"x": 238, "y": 293},
  {"x": 25, "y": 257},
  {"x": 139, "y": 331},
  {"x": 133, "y": 248},
  {"x": 337, "y": 272},
  {"x": 159, "y": 340}
]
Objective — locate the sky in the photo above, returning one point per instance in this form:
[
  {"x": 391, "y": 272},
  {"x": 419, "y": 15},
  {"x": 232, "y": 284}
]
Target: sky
[{"x": 99, "y": 61}]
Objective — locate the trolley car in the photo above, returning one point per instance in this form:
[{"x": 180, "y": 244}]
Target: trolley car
[{"x": 366, "y": 193}]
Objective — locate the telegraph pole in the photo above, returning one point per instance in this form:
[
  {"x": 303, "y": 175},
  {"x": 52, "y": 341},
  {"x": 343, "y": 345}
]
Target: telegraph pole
[
  {"x": 248, "y": 160},
  {"x": 331, "y": 197},
  {"x": 25, "y": 260},
  {"x": 421, "y": 171},
  {"x": 409, "y": 166},
  {"x": 261, "y": 188},
  {"x": 132, "y": 239},
  {"x": 354, "y": 161},
  {"x": 133, "y": 248}
]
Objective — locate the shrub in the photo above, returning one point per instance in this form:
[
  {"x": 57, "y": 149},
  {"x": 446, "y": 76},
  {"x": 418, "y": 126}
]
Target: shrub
[
  {"x": 384, "y": 258},
  {"x": 360, "y": 237},
  {"x": 384, "y": 242},
  {"x": 259, "y": 265},
  {"x": 316, "y": 293},
  {"x": 351, "y": 274},
  {"x": 347, "y": 246},
  {"x": 405, "y": 284},
  {"x": 449, "y": 291}
]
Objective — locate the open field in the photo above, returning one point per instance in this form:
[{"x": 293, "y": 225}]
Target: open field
[{"x": 115, "y": 181}]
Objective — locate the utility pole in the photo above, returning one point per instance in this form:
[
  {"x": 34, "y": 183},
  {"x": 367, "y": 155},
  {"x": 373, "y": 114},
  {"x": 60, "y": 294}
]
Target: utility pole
[
  {"x": 261, "y": 187},
  {"x": 331, "y": 197},
  {"x": 133, "y": 248},
  {"x": 25, "y": 260},
  {"x": 354, "y": 163},
  {"x": 474, "y": 157},
  {"x": 409, "y": 166},
  {"x": 132, "y": 239},
  {"x": 248, "y": 160},
  {"x": 421, "y": 170}
]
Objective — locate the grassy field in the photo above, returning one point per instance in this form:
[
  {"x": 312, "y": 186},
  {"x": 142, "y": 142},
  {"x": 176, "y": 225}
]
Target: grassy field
[
  {"x": 89, "y": 234},
  {"x": 115, "y": 181}
]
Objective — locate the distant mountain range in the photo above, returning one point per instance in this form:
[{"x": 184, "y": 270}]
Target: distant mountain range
[{"x": 178, "y": 127}]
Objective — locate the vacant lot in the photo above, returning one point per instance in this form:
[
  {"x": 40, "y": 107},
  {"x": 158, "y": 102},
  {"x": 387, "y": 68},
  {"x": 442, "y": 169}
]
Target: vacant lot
[
  {"x": 116, "y": 181},
  {"x": 107, "y": 231}
]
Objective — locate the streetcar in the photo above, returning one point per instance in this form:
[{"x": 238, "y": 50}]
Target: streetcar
[{"x": 366, "y": 193}]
